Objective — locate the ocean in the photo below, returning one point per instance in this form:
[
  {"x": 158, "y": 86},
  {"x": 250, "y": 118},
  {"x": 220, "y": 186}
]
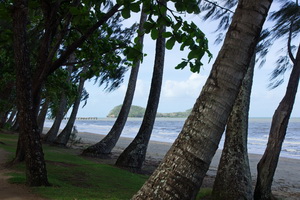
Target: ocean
[{"x": 167, "y": 129}]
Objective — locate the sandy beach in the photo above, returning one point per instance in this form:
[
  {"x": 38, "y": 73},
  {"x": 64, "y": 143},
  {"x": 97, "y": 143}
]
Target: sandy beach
[{"x": 286, "y": 182}]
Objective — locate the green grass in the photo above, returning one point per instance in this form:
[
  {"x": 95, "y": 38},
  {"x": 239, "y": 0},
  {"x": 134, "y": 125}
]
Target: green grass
[{"x": 75, "y": 177}]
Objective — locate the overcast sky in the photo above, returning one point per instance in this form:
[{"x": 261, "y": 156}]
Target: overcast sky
[{"x": 181, "y": 87}]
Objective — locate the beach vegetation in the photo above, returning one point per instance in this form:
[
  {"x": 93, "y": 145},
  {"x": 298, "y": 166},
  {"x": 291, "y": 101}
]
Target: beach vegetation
[
  {"x": 134, "y": 155},
  {"x": 286, "y": 26},
  {"x": 69, "y": 133},
  {"x": 233, "y": 179},
  {"x": 56, "y": 30},
  {"x": 138, "y": 112},
  {"x": 125, "y": 110},
  {"x": 135, "y": 111},
  {"x": 183, "y": 169},
  {"x": 75, "y": 177}
]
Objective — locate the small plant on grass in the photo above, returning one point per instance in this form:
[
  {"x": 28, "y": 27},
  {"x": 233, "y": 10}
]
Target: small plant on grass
[{"x": 74, "y": 139}]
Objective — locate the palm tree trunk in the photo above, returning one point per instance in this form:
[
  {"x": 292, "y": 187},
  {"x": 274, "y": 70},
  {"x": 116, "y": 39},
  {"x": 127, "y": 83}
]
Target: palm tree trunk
[
  {"x": 267, "y": 165},
  {"x": 52, "y": 133},
  {"x": 63, "y": 138},
  {"x": 134, "y": 155},
  {"x": 106, "y": 145},
  {"x": 233, "y": 180},
  {"x": 42, "y": 114},
  {"x": 36, "y": 174},
  {"x": 181, "y": 173}
]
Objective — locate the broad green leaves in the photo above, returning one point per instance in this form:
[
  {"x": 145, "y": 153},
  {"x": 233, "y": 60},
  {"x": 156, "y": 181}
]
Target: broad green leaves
[{"x": 187, "y": 34}]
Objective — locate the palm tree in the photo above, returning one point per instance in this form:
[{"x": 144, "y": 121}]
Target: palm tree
[
  {"x": 181, "y": 173},
  {"x": 233, "y": 180},
  {"x": 106, "y": 145},
  {"x": 61, "y": 110},
  {"x": 134, "y": 155},
  {"x": 287, "y": 22},
  {"x": 63, "y": 138},
  {"x": 36, "y": 174}
]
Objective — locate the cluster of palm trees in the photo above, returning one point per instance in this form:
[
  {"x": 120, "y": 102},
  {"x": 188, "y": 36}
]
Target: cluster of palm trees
[{"x": 222, "y": 103}]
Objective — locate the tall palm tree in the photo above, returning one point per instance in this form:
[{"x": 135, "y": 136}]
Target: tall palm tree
[
  {"x": 287, "y": 23},
  {"x": 233, "y": 180},
  {"x": 134, "y": 155},
  {"x": 181, "y": 173},
  {"x": 106, "y": 145},
  {"x": 36, "y": 173},
  {"x": 63, "y": 138},
  {"x": 61, "y": 110}
]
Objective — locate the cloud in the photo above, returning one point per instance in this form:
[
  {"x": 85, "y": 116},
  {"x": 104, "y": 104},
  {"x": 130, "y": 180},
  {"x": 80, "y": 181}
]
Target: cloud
[{"x": 187, "y": 88}]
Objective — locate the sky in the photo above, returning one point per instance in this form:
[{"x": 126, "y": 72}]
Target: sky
[{"x": 181, "y": 88}]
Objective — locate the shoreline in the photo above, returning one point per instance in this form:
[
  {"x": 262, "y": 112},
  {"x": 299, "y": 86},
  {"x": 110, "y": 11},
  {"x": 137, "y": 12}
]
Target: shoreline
[
  {"x": 286, "y": 181},
  {"x": 166, "y": 130}
]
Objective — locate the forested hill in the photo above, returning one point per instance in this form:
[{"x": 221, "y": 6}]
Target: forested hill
[{"x": 137, "y": 111}]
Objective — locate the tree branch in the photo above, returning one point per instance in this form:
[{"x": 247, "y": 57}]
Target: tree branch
[
  {"x": 289, "y": 44},
  {"x": 70, "y": 49},
  {"x": 215, "y": 4}
]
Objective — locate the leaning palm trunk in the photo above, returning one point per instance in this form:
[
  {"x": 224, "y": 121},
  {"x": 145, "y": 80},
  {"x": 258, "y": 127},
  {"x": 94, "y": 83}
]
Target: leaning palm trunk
[
  {"x": 134, "y": 155},
  {"x": 53, "y": 131},
  {"x": 42, "y": 114},
  {"x": 106, "y": 145},
  {"x": 181, "y": 173},
  {"x": 63, "y": 138},
  {"x": 267, "y": 165},
  {"x": 233, "y": 180}
]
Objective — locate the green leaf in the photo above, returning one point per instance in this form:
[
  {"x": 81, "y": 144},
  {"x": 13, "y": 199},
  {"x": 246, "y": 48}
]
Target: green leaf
[
  {"x": 182, "y": 65},
  {"x": 194, "y": 68},
  {"x": 177, "y": 26},
  {"x": 126, "y": 13},
  {"x": 194, "y": 54},
  {"x": 154, "y": 34},
  {"x": 148, "y": 26},
  {"x": 179, "y": 6},
  {"x": 170, "y": 43},
  {"x": 167, "y": 34},
  {"x": 135, "y": 7}
]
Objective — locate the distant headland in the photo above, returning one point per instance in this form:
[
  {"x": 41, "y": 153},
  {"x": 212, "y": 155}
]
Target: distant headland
[{"x": 138, "y": 111}]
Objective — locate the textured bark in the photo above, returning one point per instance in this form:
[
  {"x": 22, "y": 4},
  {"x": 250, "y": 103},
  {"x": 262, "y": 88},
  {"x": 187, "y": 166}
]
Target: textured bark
[
  {"x": 180, "y": 174},
  {"x": 267, "y": 165},
  {"x": 233, "y": 180},
  {"x": 63, "y": 138},
  {"x": 36, "y": 174},
  {"x": 106, "y": 145},
  {"x": 42, "y": 115},
  {"x": 134, "y": 155},
  {"x": 53, "y": 131}
]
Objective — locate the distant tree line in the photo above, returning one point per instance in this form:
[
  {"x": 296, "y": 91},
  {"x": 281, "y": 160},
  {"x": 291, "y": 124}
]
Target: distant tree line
[{"x": 138, "y": 111}]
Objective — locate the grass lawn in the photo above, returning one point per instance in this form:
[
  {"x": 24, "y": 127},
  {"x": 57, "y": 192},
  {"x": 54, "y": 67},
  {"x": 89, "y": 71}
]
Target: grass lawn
[{"x": 76, "y": 177}]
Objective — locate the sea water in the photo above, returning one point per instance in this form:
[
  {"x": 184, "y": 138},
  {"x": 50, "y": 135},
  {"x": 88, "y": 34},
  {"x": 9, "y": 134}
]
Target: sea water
[{"x": 167, "y": 130}]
